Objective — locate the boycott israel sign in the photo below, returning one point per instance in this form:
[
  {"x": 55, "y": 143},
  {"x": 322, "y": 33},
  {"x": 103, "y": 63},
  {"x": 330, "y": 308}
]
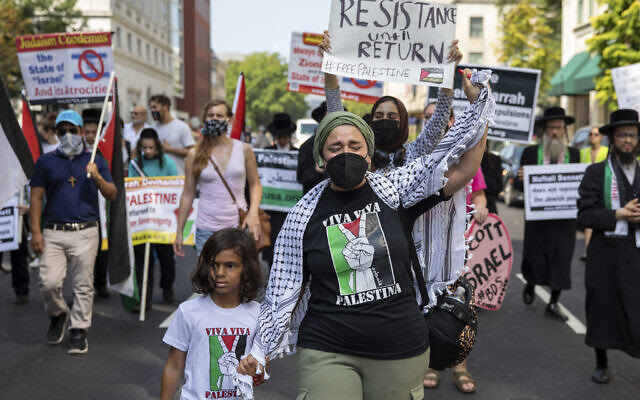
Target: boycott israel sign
[
  {"x": 626, "y": 81},
  {"x": 277, "y": 170},
  {"x": 9, "y": 215},
  {"x": 152, "y": 210},
  {"x": 489, "y": 269},
  {"x": 399, "y": 41},
  {"x": 551, "y": 191},
  {"x": 65, "y": 67},
  {"x": 515, "y": 91},
  {"x": 306, "y": 76}
]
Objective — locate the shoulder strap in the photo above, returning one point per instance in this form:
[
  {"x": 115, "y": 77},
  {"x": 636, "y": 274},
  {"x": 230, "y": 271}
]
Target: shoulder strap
[
  {"x": 415, "y": 263},
  {"x": 135, "y": 166},
  {"x": 224, "y": 181}
]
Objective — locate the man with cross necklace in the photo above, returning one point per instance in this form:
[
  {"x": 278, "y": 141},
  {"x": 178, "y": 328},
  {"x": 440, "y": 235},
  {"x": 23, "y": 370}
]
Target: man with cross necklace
[{"x": 70, "y": 225}]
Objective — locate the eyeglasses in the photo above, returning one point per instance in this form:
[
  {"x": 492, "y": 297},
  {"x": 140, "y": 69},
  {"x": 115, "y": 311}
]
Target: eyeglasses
[
  {"x": 62, "y": 131},
  {"x": 632, "y": 136}
]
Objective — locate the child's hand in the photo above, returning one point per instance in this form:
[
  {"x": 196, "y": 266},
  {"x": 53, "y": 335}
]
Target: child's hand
[
  {"x": 259, "y": 379},
  {"x": 248, "y": 366}
]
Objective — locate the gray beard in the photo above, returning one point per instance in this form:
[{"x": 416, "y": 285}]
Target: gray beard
[{"x": 554, "y": 148}]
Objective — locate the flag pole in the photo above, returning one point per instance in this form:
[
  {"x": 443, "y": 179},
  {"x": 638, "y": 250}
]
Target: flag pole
[
  {"x": 104, "y": 108},
  {"x": 145, "y": 278}
]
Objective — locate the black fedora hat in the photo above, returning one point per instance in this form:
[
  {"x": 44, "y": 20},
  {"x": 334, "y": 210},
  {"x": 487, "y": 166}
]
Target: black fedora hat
[
  {"x": 551, "y": 113},
  {"x": 623, "y": 117},
  {"x": 319, "y": 112},
  {"x": 282, "y": 125}
]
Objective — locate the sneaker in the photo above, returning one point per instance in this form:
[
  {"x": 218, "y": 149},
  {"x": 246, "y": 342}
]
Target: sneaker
[
  {"x": 168, "y": 296},
  {"x": 56, "y": 328},
  {"x": 21, "y": 298},
  {"x": 78, "y": 343}
]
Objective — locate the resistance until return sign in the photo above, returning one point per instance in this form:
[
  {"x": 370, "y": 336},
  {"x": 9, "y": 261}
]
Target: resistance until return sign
[{"x": 62, "y": 68}]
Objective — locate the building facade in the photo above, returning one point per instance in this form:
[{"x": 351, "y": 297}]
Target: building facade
[{"x": 218, "y": 77}]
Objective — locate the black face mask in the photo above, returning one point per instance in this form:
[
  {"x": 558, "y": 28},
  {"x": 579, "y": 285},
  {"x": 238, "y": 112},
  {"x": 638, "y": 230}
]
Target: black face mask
[
  {"x": 156, "y": 115},
  {"x": 347, "y": 170},
  {"x": 385, "y": 131}
]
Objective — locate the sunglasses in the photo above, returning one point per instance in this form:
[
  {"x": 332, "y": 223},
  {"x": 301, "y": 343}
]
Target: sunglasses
[{"x": 62, "y": 131}]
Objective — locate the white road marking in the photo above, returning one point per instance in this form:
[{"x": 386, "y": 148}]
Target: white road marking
[
  {"x": 166, "y": 322},
  {"x": 573, "y": 322}
]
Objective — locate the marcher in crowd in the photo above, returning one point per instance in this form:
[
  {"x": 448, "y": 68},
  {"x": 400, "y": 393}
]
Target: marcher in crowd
[
  {"x": 328, "y": 243},
  {"x": 594, "y": 153},
  {"x": 151, "y": 161},
  {"x": 131, "y": 131},
  {"x": 307, "y": 174},
  {"x": 492, "y": 171},
  {"x": 70, "y": 227},
  {"x": 46, "y": 129},
  {"x": 196, "y": 125},
  {"x": 609, "y": 205},
  {"x": 549, "y": 244},
  {"x": 175, "y": 134},
  {"x": 281, "y": 127},
  {"x": 19, "y": 263},
  {"x": 217, "y": 156}
]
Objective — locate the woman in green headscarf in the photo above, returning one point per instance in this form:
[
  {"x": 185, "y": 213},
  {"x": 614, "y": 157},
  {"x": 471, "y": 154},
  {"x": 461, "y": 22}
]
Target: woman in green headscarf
[{"x": 356, "y": 323}]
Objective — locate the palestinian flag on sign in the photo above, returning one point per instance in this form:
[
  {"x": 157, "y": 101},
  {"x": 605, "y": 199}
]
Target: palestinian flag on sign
[
  {"x": 120, "y": 259},
  {"x": 16, "y": 162}
]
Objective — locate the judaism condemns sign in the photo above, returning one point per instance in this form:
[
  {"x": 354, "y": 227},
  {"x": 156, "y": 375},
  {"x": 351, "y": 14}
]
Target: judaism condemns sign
[
  {"x": 277, "y": 170},
  {"x": 306, "y": 76},
  {"x": 489, "y": 268},
  {"x": 399, "y": 41},
  {"x": 551, "y": 191},
  {"x": 61, "y": 68},
  {"x": 152, "y": 210},
  {"x": 515, "y": 91},
  {"x": 626, "y": 81},
  {"x": 9, "y": 234}
]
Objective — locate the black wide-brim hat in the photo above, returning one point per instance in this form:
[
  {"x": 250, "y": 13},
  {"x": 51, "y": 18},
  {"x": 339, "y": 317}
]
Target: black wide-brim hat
[
  {"x": 282, "y": 125},
  {"x": 319, "y": 112},
  {"x": 623, "y": 117},
  {"x": 551, "y": 113}
]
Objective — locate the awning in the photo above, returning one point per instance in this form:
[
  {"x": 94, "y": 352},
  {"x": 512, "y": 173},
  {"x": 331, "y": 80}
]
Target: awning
[{"x": 576, "y": 77}]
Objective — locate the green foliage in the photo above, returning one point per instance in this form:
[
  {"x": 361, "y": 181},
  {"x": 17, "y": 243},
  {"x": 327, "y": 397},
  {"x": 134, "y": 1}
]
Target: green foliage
[
  {"x": 359, "y": 109},
  {"x": 617, "y": 40},
  {"x": 27, "y": 17},
  {"x": 266, "y": 88},
  {"x": 531, "y": 38}
]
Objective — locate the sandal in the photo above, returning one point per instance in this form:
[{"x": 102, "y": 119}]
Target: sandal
[
  {"x": 460, "y": 378},
  {"x": 432, "y": 379}
]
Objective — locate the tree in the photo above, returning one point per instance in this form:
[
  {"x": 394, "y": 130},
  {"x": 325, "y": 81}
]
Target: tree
[
  {"x": 531, "y": 38},
  {"x": 360, "y": 109},
  {"x": 617, "y": 40},
  {"x": 266, "y": 88},
  {"x": 27, "y": 17}
]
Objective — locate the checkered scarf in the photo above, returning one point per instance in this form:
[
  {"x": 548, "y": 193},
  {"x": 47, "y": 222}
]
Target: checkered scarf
[{"x": 285, "y": 304}]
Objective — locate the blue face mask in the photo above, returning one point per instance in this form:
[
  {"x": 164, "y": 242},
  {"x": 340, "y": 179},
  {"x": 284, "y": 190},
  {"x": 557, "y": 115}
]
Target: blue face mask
[
  {"x": 70, "y": 144},
  {"x": 214, "y": 128}
]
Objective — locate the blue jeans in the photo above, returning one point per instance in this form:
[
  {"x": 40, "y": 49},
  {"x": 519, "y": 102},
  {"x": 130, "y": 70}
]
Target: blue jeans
[{"x": 202, "y": 235}]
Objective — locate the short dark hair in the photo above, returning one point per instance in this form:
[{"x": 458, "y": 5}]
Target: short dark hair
[
  {"x": 160, "y": 99},
  {"x": 243, "y": 245}
]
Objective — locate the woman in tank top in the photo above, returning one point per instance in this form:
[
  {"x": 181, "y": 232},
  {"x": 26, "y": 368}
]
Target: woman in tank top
[{"x": 237, "y": 164}]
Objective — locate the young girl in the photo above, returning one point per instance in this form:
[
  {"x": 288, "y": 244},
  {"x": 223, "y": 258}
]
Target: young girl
[{"x": 211, "y": 333}]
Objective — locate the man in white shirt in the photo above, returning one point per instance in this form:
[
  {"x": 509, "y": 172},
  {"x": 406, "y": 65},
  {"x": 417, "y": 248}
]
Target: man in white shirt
[
  {"x": 175, "y": 135},
  {"x": 131, "y": 131}
]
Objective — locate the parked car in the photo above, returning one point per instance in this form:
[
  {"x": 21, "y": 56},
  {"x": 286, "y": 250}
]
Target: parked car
[
  {"x": 580, "y": 139},
  {"x": 510, "y": 155}
]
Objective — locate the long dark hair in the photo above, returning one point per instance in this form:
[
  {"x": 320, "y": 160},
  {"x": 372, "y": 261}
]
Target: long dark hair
[
  {"x": 243, "y": 245},
  {"x": 403, "y": 132},
  {"x": 149, "y": 133}
]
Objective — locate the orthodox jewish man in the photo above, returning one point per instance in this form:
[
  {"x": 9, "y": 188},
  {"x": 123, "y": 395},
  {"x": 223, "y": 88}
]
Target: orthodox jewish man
[
  {"x": 549, "y": 244},
  {"x": 609, "y": 205}
]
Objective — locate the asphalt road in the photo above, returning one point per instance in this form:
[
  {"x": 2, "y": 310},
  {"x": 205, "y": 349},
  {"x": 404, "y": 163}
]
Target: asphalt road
[{"x": 519, "y": 355}]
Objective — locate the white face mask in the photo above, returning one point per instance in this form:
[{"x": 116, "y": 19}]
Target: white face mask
[{"x": 70, "y": 144}]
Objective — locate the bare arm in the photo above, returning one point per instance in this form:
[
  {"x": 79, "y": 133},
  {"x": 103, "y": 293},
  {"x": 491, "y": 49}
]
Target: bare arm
[
  {"x": 460, "y": 174},
  {"x": 479, "y": 200},
  {"x": 108, "y": 189},
  {"x": 182, "y": 152},
  {"x": 37, "y": 240},
  {"x": 252, "y": 221},
  {"x": 171, "y": 374},
  {"x": 186, "y": 200},
  {"x": 331, "y": 86}
]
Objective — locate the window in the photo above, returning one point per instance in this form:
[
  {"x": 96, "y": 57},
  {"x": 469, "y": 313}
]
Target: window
[
  {"x": 129, "y": 47},
  {"x": 139, "y": 47},
  {"x": 118, "y": 37},
  {"x": 475, "y": 58},
  {"x": 148, "y": 52},
  {"x": 475, "y": 27},
  {"x": 164, "y": 65},
  {"x": 580, "y": 11}
]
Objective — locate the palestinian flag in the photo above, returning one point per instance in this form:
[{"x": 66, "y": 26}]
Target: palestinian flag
[
  {"x": 238, "y": 110},
  {"x": 29, "y": 130},
  {"x": 120, "y": 259},
  {"x": 16, "y": 162}
]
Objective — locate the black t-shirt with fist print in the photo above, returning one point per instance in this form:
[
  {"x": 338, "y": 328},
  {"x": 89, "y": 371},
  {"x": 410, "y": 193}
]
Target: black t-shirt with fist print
[{"x": 356, "y": 257}]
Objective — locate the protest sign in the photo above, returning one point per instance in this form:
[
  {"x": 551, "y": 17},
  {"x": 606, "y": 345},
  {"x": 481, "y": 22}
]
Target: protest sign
[
  {"x": 61, "y": 68},
  {"x": 401, "y": 41},
  {"x": 515, "y": 91},
  {"x": 551, "y": 191},
  {"x": 9, "y": 232},
  {"x": 489, "y": 268},
  {"x": 152, "y": 210},
  {"x": 277, "y": 170},
  {"x": 306, "y": 76},
  {"x": 626, "y": 81}
]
